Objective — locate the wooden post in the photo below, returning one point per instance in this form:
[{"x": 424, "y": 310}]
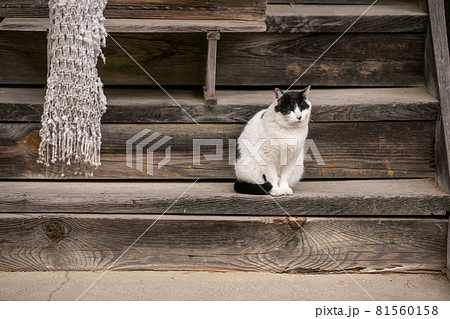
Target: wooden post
[
  {"x": 442, "y": 68},
  {"x": 447, "y": 15},
  {"x": 209, "y": 90},
  {"x": 442, "y": 65}
]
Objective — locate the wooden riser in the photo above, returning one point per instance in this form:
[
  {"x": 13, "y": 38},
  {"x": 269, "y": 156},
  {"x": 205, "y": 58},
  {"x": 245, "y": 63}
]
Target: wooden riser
[
  {"x": 280, "y": 18},
  {"x": 398, "y": 17},
  {"x": 234, "y": 106},
  {"x": 243, "y": 59},
  {"x": 398, "y": 144},
  {"x": 144, "y": 25},
  {"x": 167, "y": 9},
  {"x": 348, "y": 150},
  {"x": 93, "y": 242}
]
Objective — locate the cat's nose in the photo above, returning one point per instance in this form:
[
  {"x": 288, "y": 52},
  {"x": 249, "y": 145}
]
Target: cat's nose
[{"x": 299, "y": 117}]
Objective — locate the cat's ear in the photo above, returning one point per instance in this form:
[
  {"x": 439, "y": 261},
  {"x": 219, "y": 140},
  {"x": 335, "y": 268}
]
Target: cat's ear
[
  {"x": 306, "y": 90},
  {"x": 278, "y": 93}
]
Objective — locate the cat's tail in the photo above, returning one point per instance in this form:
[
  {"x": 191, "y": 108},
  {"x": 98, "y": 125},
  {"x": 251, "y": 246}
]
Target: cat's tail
[{"x": 252, "y": 189}]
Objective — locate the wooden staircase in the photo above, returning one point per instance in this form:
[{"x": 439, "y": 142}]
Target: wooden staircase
[{"x": 369, "y": 200}]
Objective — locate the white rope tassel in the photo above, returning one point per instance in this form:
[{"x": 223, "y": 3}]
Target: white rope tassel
[{"x": 74, "y": 99}]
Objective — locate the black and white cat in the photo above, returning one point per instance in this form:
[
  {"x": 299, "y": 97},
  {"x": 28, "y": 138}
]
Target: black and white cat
[{"x": 271, "y": 146}]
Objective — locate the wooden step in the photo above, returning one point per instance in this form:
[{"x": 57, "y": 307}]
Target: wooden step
[
  {"x": 244, "y": 59},
  {"x": 88, "y": 242},
  {"x": 87, "y": 226},
  {"x": 280, "y": 18},
  {"x": 416, "y": 197},
  {"x": 144, "y": 25},
  {"x": 359, "y": 133},
  {"x": 401, "y": 17},
  {"x": 160, "y": 9},
  {"x": 342, "y": 2},
  {"x": 139, "y": 105},
  {"x": 347, "y": 150}
]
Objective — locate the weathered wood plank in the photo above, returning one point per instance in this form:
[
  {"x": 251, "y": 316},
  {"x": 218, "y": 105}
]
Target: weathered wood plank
[
  {"x": 338, "y": 198},
  {"x": 167, "y": 9},
  {"x": 349, "y": 150},
  {"x": 154, "y": 106},
  {"x": 93, "y": 242},
  {"x": 430, "y": 67},
  {"x": 447, "y": 16},
  {"x": 243, "y": 59},
  {"x": 355, "y": 2},
  {"x": 280, "y": 18},
  {"x": 442, "y": 64},
  {"x": 291, "y": 54},
  {"x": 448, "y": 252},
  {"x": 337, "y": 18},
  {"x": 143, "y": 25}
]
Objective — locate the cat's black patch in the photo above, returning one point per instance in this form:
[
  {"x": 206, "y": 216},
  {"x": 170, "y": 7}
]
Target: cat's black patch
[
  {"x": 288, "y": 101},
  {"x": 262, "y": 115},
  {"x": 252, "y": 189}
]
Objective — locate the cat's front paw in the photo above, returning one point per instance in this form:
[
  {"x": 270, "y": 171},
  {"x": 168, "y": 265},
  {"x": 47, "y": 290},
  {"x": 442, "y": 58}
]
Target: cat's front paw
[
  {"x": 287, "y": 191},
  {"x": 281, "y": 191}
]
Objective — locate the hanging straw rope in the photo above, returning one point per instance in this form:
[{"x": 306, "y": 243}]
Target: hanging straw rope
[{"x": 74, "y": 99}]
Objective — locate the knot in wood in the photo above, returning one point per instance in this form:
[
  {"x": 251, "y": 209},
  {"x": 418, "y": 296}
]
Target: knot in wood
[
  {"x": 296, "y": 222},
  {"x": 55, "y": 232},
  {"x": 293, "y": 222}
]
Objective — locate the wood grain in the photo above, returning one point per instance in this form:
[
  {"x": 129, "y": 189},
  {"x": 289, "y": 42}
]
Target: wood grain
[
  {"x": 143, "y": 25},
  {"x": 235, "y": 106},
  {"x": 280, "y": 18},
  {"x": 412, "y": 197},
  {"x": 244, "y": 59},
  {"x": 209, "y": 91},
  {"x": 167, "y": 9},
  {"x": 337, "y": 18},
  {"x": 442, "y": 63},
  {"x": 342, "y": 2},
  {"x": 430, "y": 75},
  {"x": 349, "y": 150},
  {"x": 93, "y": 242},
  {"x": 447, "y": 16}
]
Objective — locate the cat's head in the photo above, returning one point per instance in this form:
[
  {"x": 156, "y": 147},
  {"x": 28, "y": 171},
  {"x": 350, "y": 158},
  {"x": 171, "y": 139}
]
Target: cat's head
[{"x": 293, "y": 107}]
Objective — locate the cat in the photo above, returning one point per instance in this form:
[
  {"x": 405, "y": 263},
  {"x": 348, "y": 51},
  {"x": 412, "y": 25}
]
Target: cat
[{"x": 271, "y": 147}]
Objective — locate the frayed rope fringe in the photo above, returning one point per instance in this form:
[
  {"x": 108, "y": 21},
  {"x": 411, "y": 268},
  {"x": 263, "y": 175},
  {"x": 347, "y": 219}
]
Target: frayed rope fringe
[{"x": 74, "y": 99}]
